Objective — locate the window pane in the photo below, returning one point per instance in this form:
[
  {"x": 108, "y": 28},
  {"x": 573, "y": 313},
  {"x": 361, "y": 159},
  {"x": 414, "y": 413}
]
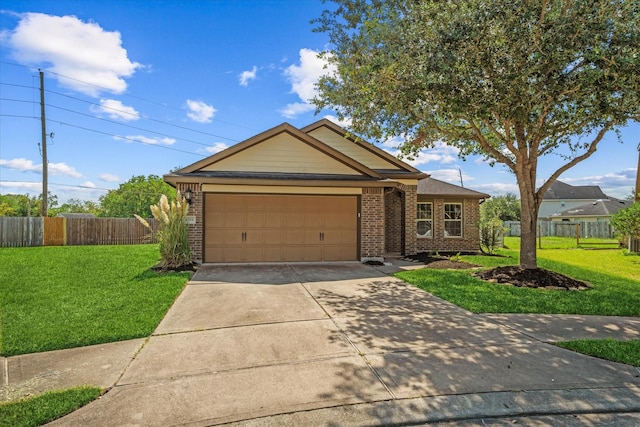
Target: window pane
[
  {"x": 453, "y": 228},
  {"x": 424, "y": 228},
  {"x": 453, "y": 211},
  {"x": 424, "y": 211}
]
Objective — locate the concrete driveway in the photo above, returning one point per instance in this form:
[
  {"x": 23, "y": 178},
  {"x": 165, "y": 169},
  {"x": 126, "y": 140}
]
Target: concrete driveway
[{"x": 343, "y": 344}]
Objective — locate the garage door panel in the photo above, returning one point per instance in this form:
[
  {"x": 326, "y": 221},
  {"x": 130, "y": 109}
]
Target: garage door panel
[{"x": 258, "y": 227}]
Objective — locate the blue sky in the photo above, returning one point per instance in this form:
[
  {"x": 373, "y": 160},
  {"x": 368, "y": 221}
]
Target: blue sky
[{"x": 143, "y": 87}]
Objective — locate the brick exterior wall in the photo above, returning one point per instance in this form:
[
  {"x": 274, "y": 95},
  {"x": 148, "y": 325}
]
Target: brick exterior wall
[
  {"x": 394, "y": 224},
  {"x": 196, "y": 208},
  {"x": 470, "y": 240},
  {"x": 372, "y": 229},
  {"x": 410, "y": 212}
]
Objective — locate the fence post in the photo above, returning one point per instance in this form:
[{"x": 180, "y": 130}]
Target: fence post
[{"x": 577, "y": 235}]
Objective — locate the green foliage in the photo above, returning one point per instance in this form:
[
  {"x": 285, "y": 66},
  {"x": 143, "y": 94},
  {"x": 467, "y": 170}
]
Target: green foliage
[
  {"x": 134, "y": 197},
  {"x": 626, "y": 221},
  {"x": 618, "y": 351},
  {"x": 505, "y": 208},
  {"x": 39, "y": 410},
  {"x": 491, "y": 231},
  {"x": 23, "y": 205},
  {"x": 70, "y": 296},
  {"x": 511, "y": 81},
  {"x": 172, "y": 233},
  {"x": 77, "y": 206}
]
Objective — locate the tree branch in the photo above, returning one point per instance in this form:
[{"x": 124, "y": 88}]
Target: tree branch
[
  {"x": 592, "y": 149},
  {"x": 479, "y": 137}
]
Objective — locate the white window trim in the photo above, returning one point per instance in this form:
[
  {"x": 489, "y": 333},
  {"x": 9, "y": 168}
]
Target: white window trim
[
  {"x": 429, "y": 234},
  {"x": 446, "y": 236}
]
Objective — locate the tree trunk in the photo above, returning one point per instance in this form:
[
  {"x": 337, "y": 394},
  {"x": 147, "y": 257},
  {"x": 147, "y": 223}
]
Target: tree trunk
[{"x": 528, "y": 220}]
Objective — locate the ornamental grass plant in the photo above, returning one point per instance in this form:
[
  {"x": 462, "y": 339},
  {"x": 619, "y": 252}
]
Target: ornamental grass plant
[{"x": 172, "y": 233}]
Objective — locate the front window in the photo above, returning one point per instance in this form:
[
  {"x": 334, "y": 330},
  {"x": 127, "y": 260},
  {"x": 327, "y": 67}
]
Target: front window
[
  {"x": 424, "y": 219},
  {"x": 453, "y": 220}
]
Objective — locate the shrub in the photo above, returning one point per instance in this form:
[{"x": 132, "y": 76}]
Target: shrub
[
  {"x": 172, "y": 233},
  {"x": 490, "y": 233}
]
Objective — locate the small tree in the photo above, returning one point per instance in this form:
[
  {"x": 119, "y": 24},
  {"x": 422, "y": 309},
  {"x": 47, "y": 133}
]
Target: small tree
[
  {"x": 491, "y": 230},
  {"x": 626, "y": 222},
  {"x": 172, "y": 233}
]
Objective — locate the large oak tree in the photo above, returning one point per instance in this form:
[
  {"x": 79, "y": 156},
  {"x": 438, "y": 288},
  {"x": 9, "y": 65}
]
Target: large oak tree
[{"x": 514, "y": 81}]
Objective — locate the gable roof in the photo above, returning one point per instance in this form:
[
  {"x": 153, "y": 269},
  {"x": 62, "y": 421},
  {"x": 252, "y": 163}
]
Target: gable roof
[
  {"x": 605, "y": 207},
  {"x": 284, "y": 128},
  {"x": 363, "y": 151},
  {"x": 434, "y": 187},
  {"x": 562, "y": 191},
  {"x": 287, "y": 153}
]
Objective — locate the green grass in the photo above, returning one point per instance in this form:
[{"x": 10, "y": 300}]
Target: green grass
[
  {"x": 552, "y": 242},
  {"x": 62, "y": 297},
  {"x": 614, "y": 276},
  {"x": 39, "y": 410},
  {"x": 618, "y": 351}
]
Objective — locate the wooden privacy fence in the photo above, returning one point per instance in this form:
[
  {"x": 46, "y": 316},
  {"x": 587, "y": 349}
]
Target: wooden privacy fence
[
  {"x": 73, "y": 231},
  {"x": 601, "y": 230}
]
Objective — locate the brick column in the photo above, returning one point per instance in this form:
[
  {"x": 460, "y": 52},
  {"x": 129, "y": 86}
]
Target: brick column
[
  {"x": 372, "y": 224},
  {"x": 410, "y": 212},
  {"x": 196, "y": 208}
]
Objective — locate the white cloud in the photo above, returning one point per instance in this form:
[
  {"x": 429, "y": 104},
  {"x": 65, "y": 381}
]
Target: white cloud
[
  {"x": 245, "y": 76},
  {"x": 303, "y": 79},
  {"x": 25, "y": 165},
  {"x": 295, "y": 109},
  {"x": 88, "y": 184},
  {"x": 217, "y": 147},
  {"x": 63, "y": 169},
  {"x": 16, "y": 186},
  {"x": 450, "y": 175},
  {"x": 346, "y": 123},
  {"x": 109, "y": 177},
  {"x": 199, "y": 111},
  {"x": 92, "y": 58},
  {"x": 497, "y": 188},
  {"x": 116, "y": 110},
  {"x": 439, "y": 153},
  {"x": 146, "y": 140}
]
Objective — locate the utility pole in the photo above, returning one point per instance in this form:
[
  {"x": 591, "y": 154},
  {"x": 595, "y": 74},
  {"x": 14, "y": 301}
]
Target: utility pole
[
  {"x": 637, "y": 193},
  {"x": 45, "y": 165}
]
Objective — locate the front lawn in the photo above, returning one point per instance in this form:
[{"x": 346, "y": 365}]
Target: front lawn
[
  {"x": 70, "y": 296},
  {"x": 615, "y": 278},
  {"x": 39, "y": 410},
  {"x": 618, "y": 351}
]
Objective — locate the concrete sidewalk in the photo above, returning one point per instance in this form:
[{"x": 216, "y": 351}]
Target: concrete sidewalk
[{"x": 335, "y": 345}]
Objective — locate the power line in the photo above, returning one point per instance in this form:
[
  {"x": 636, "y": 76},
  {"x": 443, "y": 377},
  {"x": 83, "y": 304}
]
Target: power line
[
  {"x": 146, "y": 118},
  {"x": 129, "y": 126},
  {"x": 125, "y": 137}
]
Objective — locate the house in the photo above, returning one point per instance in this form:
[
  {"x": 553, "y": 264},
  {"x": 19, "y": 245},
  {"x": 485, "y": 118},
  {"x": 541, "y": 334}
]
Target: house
[
  {"x": 318, "y": 194},
  {"x": 598, "y": 211},
  {"x": 561, "y": 197}
]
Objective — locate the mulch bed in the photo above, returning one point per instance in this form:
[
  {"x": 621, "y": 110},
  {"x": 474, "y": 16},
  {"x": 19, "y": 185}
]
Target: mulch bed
[
  {"x": 531, "y": 278},
  {"x": 509, "y": 275},
  {"x": 187, "y": 267}
]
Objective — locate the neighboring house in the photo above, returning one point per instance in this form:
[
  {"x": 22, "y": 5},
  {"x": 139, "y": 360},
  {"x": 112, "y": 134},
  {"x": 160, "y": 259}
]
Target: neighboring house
[
  {"x": 315, "y": 194},
  {"x": 561, "y": 197},
  {"x": 598, "y": 211}
]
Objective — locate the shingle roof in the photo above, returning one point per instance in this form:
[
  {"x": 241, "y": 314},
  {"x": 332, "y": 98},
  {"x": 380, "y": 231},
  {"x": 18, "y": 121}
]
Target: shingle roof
[
  {"x": 434, "y": 187},
  {"x": 561, "y": 191},
  {"x": 605, "y": 207}
]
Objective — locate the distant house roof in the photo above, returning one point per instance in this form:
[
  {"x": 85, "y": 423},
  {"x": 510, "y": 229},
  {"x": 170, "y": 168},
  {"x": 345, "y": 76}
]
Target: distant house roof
[
  {"x": 605, "y": 207},
  {"x": 434, "y": 187},
  {"x": 561, "y": 191}
]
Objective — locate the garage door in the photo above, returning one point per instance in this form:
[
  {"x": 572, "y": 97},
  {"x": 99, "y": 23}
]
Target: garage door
[{"x": 266, "y": 228}]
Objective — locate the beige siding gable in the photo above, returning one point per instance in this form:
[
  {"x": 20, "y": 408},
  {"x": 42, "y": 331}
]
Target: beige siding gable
[
  {"x": 283, "y": 153},
  {"x": 352, "y": 149}
]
